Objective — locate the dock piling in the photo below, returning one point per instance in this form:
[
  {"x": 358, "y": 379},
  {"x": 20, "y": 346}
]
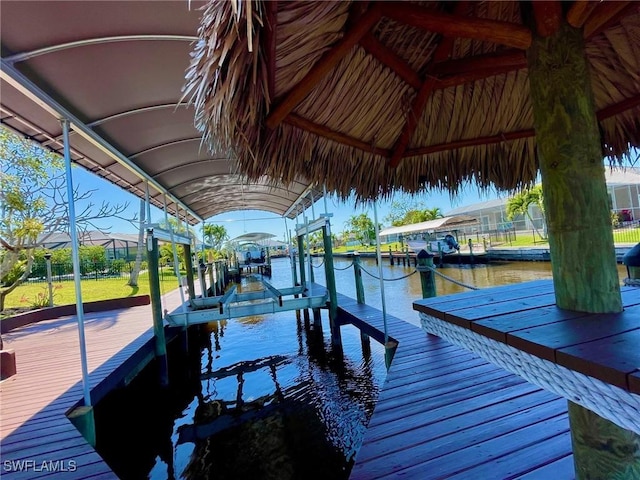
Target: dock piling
[
  {"x": 357, "y": 272},
  {"x": 83, "y": 419},
  {"x": 156, "y": 307},
  {"x": 188, "y": 265},
  {"x": 427, "y": 280},
  {"x": 336, "y": 337}
]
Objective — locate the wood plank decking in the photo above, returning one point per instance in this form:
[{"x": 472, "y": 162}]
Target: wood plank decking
[
  {"x": 603, "y": 346},
  {"x": 36, "y": 438},
  {"x": 443, "y": 412}
]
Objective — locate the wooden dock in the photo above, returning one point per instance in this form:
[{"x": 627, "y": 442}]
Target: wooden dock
[
  {"x": 36, "y": 438},
  {"x": 589, "y": 358},
  {"x": 443, "y": 412}
]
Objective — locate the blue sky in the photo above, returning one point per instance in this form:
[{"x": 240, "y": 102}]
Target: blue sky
[{"x": 239, "y": 222}]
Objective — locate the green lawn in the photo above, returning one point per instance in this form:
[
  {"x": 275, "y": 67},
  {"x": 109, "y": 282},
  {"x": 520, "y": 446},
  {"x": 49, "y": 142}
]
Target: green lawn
[{"x": 64, "y": 293}]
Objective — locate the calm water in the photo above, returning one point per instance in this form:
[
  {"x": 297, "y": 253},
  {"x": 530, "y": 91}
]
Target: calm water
[
  {"x": 256, "y": 398},
  {"x": 266, "y": 397},
  {"x": 401, "y": 293}
]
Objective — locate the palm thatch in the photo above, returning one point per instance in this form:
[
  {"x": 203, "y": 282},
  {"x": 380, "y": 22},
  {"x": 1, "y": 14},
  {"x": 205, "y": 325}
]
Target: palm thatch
[{"x": 359, "y": 97}]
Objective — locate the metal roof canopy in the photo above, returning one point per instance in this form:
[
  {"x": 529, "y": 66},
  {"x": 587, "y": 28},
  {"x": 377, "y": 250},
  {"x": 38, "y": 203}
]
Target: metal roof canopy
[
  {"x": 253, "y": 237},
  {"x": 115, "y": 70},
  {"x": 439, "y": 224}
]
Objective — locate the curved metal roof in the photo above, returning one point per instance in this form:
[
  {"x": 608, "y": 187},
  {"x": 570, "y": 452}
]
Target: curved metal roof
[{"x": 116, "y": 69}]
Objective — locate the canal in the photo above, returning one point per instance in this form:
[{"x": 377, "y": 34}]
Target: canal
[{"x": 402, "y": 283}]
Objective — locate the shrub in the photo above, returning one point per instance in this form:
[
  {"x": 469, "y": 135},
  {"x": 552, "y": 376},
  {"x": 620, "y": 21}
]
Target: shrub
[
  {"x": 117, "y": 266},
  {"x": 12, "y": 275}
]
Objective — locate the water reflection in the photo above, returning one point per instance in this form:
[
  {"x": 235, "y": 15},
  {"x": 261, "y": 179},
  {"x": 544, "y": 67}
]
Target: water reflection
[{"x": 264, "y": 398}]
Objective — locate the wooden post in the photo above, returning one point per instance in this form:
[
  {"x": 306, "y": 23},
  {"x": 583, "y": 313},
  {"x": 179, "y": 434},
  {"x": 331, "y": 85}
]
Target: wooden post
[
  {"x": 357, "y": 273},
  {"x": 330, "y": 274},
  {"x": 577, "y": 211},
  {"x": 312, "y": 275},
  {"x": 83, "y": 419},
  {"x": 471, "y": 260},
  {"x": 408, "y": 258},
  {"x": 427, "y": 277},
  {"x": 212, "y": 284},
  {"x": 156, "y": 307},
  {"x": 303, "y": 278},
  {"x": 188, "y": 264},
  {"x": 390, "y": 256},
  {"x": 219, "y": 277}
]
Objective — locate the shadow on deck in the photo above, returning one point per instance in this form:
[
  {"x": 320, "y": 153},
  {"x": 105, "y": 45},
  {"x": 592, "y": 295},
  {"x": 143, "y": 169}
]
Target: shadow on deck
[{"x": 444, "y": 412}]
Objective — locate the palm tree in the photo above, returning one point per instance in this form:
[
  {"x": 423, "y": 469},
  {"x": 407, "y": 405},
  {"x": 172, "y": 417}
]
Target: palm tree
[
  {"x": 519, "y": 205},
  {"x": 215, "y": 235},
  {"x": 432, "y": 213}
]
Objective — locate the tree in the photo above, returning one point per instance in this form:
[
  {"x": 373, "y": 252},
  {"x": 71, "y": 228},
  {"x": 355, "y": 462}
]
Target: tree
[
  {"x": 406, "y": 212},
  {"x": 519, "y": 204},
  {"x": 362, "y": 228},
  {"x": 133, "y": 278},
  {"x": 34, "y": 206},
  {"x": 215, "y": 235}
]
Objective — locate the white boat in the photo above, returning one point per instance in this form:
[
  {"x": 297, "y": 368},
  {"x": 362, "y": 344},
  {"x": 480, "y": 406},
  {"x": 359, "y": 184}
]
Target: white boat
[{"x": 447, "y": 245}]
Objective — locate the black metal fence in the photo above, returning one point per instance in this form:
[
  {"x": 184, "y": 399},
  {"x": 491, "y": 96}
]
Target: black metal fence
[
  {"x": 627, "y": 232},
  {"x": 89, "y": 270}
]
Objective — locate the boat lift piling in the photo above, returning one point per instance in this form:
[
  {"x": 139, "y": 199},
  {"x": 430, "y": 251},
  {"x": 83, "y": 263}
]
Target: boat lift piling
[
  {"x": 357, "y": 273},
  {"x": 156, "y": 308}
]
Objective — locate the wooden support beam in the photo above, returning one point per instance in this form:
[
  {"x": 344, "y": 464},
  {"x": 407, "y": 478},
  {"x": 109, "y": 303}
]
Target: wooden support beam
[
  {"x": 446, "y": 82},
  {"x": 511, "y": 57},
  {"x": 326, "y": 63},
  {"x": 456, "y": 25},
  {"x": 388, "y": 57},
  {"x": 617, "y": 108},
  {"x": 441, "y": 53},
  {"x": 471, "y": 142},
  {"x": 580, "y": 11},
  {"x": 472, "y": 76},
  {"x": 548, "y": 15},
  {"x": 603, "y": 114},
  {"x": 412, "y": 120},
  {"x": 270, "y": 53},
  {"x": 605, "y": 15},
  {"x": 321, "y": 130}
]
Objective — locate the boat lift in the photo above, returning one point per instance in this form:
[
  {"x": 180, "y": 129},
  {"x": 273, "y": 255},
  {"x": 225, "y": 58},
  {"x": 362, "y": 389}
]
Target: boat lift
[{"x": 234, "y": 305}]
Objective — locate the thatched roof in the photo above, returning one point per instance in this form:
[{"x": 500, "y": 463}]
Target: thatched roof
[{"x": 376, "y": 96}]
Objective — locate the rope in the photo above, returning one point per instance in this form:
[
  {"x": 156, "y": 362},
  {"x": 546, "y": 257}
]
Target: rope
[
  {"x": 452, "y": 280},
  {"x": 348, "y": 266},
  {"x": 388, "y": 279},
  {"x": 319, "y": 265}
]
